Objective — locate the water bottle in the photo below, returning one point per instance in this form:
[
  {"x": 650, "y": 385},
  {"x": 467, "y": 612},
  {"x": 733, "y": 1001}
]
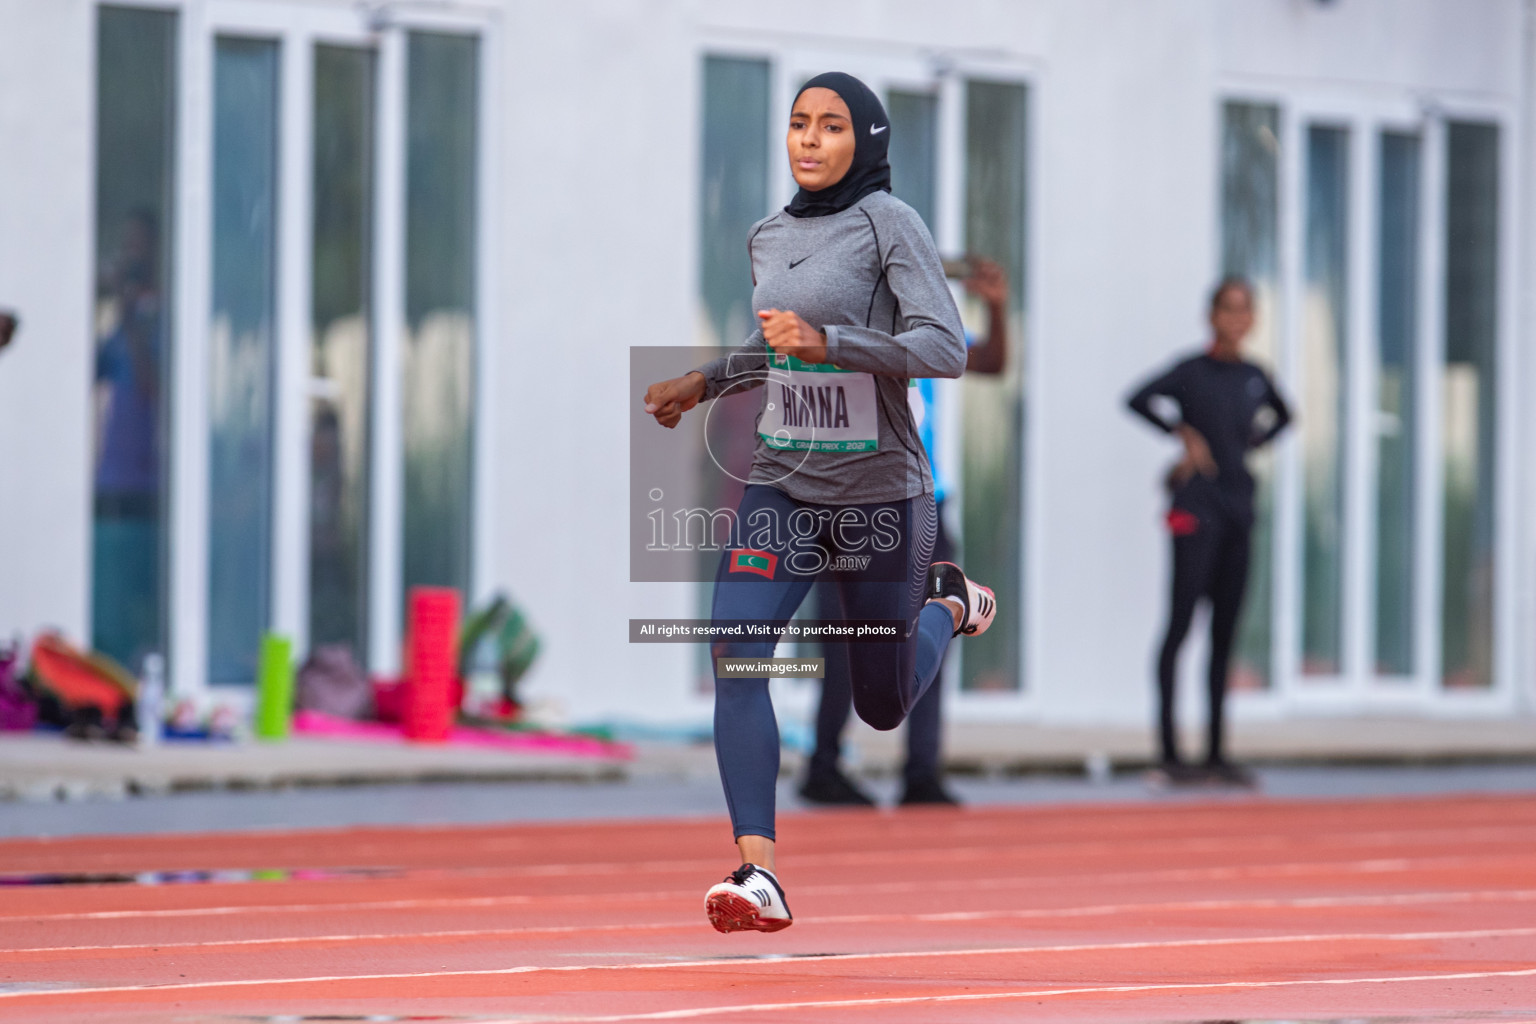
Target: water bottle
[{"x": 152, "y": 700}]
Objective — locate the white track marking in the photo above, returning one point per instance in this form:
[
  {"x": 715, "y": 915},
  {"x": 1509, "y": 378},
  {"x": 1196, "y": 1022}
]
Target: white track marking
[
  {"x": 277, "y": 908},
  {"x": 1072, "y": 848},
  {"x": 1395, "y": 838},
  {"x": 1043, "y": 993},
  {"x": 1267, "y": 903},
  {"x": 736, "y": 962},
  {"x": 1293, "y": 869},
  {"x": 1010, "y": 850},
  {"x": 1101, "y": 910},
  {"x": 692, "y": 924},
  {"x": 979, "y": 818},
  {"x": 1285, "y": 870}
]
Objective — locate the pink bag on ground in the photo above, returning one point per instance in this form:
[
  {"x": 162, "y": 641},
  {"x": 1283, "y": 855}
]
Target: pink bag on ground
[{"x": 18, "y": 710}]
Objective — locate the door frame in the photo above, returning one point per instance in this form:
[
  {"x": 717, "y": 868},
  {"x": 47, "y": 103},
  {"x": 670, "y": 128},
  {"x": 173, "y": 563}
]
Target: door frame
[{"x": 298, "y": 27}]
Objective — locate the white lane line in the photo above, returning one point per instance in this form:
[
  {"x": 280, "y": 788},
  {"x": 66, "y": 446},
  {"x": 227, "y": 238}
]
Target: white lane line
[
  {"x": 1261, "y": 940},
  {"x": 1008, "y": 848},
  {"x": 276, "y": 908},
  {"x": 1268, "y": 903},
  {"x": 1286, "y": 870},
  {"x": 1100, "y": 910},
  {"x": 978, "y": 822},
  {"x": 1476, "y": 806},
  {"x": 298, "y": 940},
  {"x": 1042, "y": 993}
]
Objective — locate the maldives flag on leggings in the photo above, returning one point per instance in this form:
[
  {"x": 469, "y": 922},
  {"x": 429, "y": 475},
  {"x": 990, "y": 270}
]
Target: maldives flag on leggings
[{"x": 751, "y": 560}]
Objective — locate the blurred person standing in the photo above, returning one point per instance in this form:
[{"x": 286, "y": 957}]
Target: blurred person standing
[
  {"x": 922, "y": 776},
  {"x": 1220, "y": 398}
]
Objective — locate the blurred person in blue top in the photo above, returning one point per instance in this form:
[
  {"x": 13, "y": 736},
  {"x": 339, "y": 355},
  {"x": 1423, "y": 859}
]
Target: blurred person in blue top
[
  {"x": 825, "y": 781},
  {"x": 129, "y": 360}
]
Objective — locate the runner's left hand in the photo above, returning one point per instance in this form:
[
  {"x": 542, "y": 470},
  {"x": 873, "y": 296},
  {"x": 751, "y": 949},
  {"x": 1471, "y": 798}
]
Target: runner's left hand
[{"x": 788, "y": 335}]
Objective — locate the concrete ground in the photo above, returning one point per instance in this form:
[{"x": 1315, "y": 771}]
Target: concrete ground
[
  {"x": 52, "y": 786},
  {"x": 43, "y": 767},
  {"x": 677, "y": 796}
]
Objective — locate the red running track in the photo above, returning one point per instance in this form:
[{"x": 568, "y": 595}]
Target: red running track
[{"x": 1406, "y": 908}]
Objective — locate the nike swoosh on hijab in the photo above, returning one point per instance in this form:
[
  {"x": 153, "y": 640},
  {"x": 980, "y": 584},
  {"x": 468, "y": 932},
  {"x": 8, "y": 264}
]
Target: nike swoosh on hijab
[{"x": 871, "y": 167}]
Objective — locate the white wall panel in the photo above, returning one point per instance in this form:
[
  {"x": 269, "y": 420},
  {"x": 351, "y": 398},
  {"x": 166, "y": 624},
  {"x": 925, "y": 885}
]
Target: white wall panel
[{"x": 47, "y": 205}]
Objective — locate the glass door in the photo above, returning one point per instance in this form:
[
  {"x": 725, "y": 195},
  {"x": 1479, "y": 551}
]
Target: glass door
[
  {"x": 994, "y": 417},
  {"x": 1324, "y": 397},
  {"x": 437, "y": 369},
  {"x": 1391, "y": 491},
  {"x": 341, "y": 342},
  {"x": 290, "y": 272},
  {"x": 1469, "y": 406},
  {"x": 1396, "y": 536},
  {"x": 1250, "y": 248},
  {"x": 959, "y": 156},
  {"x": 138, "y": 79},
  {"x": 242, "y": 352}
]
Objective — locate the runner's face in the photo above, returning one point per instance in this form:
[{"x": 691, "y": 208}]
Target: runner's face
[
  {"x": 1232, "y": 318},
  {"x": 820, "y": 139}
]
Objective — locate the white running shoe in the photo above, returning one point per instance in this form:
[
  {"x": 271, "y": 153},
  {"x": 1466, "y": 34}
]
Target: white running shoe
[
  {"x": 946, "y": 580},
  {"x": 750, "y": 899}
]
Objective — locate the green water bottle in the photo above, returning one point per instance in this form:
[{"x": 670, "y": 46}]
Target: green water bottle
[{"x": 274, "y": 688}]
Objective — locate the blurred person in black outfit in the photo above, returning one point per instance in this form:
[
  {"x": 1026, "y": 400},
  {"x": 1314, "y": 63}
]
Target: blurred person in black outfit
[
  {"x": 8, "y": 324},
  {"x": 825, "y": 781},
  {"x": 1227, "y": 407}
]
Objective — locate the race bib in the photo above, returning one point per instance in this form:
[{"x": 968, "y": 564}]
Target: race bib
[{"x": 819, "y": 407}]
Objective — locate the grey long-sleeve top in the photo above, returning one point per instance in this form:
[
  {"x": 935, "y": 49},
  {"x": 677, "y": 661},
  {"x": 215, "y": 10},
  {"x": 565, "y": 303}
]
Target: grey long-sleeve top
[{"x": 842, "y": 433}]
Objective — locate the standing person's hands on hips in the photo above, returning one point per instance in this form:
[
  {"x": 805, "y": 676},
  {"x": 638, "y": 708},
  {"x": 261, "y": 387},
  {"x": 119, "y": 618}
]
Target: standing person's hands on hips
[
  {"x": 1197, "y": 456},
  {"x": 788, "y": 335}
]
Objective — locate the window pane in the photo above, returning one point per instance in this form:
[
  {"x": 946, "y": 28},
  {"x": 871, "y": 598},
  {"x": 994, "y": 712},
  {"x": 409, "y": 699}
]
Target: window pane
[
  {"x": 1468, "y": 390},
  {"x": 1396, "y": 403},
  {"x": 735, "y": 191},
  {"x": 1324, "y": 393},
  {"x": 1250, "y": 175},
  {"x": 914, "y": 150},
  {"x": 736, "y": 162},
  {"x": 241, "y": 354},
  {"x": 135, "y": 129},
  {"x": 439, "y": 355},
  {"x": 342, "y": 329},
  {"x": 993, "y": 413}
]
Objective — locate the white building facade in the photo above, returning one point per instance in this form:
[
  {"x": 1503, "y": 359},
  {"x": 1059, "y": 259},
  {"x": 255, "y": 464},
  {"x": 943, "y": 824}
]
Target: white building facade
[{"x": 323, "y": 300}]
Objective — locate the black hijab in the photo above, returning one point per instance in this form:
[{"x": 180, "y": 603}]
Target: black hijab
[{"x": 870, "y": 170}]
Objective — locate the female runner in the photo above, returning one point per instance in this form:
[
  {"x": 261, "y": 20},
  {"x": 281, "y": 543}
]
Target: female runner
[{"x": 853, "y": 303}]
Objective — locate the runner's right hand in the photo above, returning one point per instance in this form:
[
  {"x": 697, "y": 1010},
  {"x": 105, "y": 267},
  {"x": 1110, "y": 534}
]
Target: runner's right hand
[
  {"x": 987, "y": 282},
  {"x": 668, "y": 400}
]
